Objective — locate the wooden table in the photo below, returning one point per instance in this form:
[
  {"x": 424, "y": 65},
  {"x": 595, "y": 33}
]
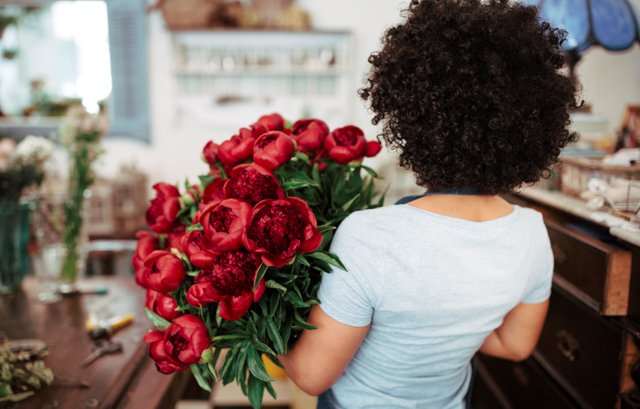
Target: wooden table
[{"x": 124, "y": 380}]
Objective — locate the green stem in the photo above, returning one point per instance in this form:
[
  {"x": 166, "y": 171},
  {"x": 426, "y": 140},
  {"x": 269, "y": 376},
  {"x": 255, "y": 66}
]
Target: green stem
[{"x": 80, "y": 178}]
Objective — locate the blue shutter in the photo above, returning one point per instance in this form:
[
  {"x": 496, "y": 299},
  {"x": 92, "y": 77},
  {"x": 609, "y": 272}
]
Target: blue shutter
[{"x": 129, "y": 102}]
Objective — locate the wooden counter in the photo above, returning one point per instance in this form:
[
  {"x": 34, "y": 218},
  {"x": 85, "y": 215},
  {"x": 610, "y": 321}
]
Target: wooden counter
[{"x": 124, "y": 380}]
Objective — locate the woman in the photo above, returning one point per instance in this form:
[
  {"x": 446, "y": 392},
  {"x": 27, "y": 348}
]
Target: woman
[{"x": 470, "y": 94}]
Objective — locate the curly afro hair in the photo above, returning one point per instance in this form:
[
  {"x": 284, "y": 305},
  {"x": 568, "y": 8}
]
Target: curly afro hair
[{"x": 470, "y": 93}]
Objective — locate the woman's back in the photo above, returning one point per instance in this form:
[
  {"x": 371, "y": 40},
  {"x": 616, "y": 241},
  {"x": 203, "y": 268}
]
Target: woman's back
[{"x": 431, "y": 287}]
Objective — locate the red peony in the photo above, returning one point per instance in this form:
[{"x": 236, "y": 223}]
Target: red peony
[
  {"x": 198, "y": 249},
  {"x": 237, "y": 149},
  {"x": 229, "y": 282},
  {"x": 347, "y": 144},
  {"x": 163, "y": 305},
  {"x": 266, "y": 123},
  {"x": 210, "y": 153},
  {"x": 213, "y": 192},
  {"x": 163, "y": 272},
  {"x": 180, "y": 346},
  {"x": 223, "y": 224},
  {"x": 272, "y": 149},
  {"x": 309, "y": 134},
  {"x": 252, "y": 183},
  {"x": 175, "y": 237},
  {"x": 147, "y": 243},
  {"x": 166, "y": 365},
  {"x": 163, "y": 210},
  {"x": 279, "y": 229}
]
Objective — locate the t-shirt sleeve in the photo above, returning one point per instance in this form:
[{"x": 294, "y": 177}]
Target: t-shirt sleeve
[
  {"x": 349, "y": 296},
  {"x": 541, "y": 289}
]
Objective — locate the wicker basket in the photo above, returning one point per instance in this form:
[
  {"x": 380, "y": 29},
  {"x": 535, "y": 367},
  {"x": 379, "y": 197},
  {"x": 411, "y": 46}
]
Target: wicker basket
[
  {"x": 576, "y": 173},
  {"x": 188, "y": 14}
]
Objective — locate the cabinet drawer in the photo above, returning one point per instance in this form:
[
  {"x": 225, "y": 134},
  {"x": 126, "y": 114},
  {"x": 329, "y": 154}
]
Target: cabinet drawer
[
  {"x": 582, "y": 351},
  {"x": 523, "y": 385},
  {"x": 596, "y": 272},
  {"x": 634, "y": 289}
]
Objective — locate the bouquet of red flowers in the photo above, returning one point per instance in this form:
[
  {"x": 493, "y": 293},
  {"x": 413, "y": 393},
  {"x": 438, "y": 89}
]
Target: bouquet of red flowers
[{"x": 234, "y": 263}]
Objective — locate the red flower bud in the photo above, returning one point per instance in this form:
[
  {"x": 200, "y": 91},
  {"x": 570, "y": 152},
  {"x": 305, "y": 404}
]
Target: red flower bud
[
  {"x": 348, "y": 144},
  {"x": 237, "y": 149},
  {"x": 272, "y": 149},
  {"x": 147, "y": 243},
  {"x": 266, "y": 123},
  {"x": 279, "y": 229},
  {"x": 309, "y": 134},
  {"x": 163, "y": 210},
  {"x": 229, "y": 282},
  {"x": 163, "y": 305},
  {"x": 163, "y": 272},
  {"x": 252, "y": 183},
  {"x": 210, "y": 153}
]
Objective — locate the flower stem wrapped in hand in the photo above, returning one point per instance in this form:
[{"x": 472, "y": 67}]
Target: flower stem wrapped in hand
[{"x": 235, "y": 262}]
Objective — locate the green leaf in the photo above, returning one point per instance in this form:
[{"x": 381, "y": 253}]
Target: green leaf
[
  {"x": 328, "y": 258},
  {"x": 157, "y": 320},
  {"x": 303, "y": 157},
  {"x": 302, "y": 260},
  {"x": 212, "y": 370},
  {"x": 271, "y": 391},
  {"x": 205, "y": 179},
  {"x": 229, "y": 337},
  {"x": 295, "y": 299},
  {"x": 256, "y": 390},
  {"x": 194, "y": 227},
  {"x": 302, "y": 322},
  {"x": 200, "y": 377},
  {"x": 276, "y": 286},
  {"x": 274, "y": 335},
  {"x": 259, "y": 275},
  {"x": 256, "y": 367},
  {"x": 262, "y": 347},
  {"x": 315, "y": 174},
  {"x": 369, "y": 171},
  {"x": 225, "y": 372},
  {"x": 347, "y": 206}
]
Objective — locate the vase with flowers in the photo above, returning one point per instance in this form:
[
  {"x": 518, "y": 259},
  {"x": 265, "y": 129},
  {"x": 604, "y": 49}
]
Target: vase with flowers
[
  {"x": 80, "y": 134},
  {"x": 21, "y": 168}
]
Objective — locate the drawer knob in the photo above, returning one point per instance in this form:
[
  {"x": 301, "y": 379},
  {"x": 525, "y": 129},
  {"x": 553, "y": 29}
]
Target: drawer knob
[
  {"x": 559, "y": 255},
  {"x": 568, "y": 345}
]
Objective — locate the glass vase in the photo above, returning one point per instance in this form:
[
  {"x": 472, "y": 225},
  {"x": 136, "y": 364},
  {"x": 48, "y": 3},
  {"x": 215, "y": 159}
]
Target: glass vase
[
  {"x": 75, "y": 239},
  {"x": 14, "y": 241},
  {"x": 61, "y": 254}
]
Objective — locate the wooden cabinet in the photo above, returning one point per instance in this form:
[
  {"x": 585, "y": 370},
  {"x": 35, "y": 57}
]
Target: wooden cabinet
[{"x": 587, "y": 356}]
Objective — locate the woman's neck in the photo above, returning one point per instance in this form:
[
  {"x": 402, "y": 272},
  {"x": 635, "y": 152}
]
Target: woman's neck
[{"x": 467, "y": 207}]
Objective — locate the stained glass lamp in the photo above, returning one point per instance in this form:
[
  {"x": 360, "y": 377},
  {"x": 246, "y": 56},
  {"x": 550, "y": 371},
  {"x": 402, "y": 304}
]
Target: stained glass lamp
[{"x": 611, "y": 24}]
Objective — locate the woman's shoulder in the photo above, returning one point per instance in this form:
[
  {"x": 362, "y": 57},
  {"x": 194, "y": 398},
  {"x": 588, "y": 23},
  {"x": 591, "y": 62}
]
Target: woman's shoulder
[{"x": 378, "y": 218}]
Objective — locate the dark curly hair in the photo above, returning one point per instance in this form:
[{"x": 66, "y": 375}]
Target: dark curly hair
[{"x": 470, "y": 93}]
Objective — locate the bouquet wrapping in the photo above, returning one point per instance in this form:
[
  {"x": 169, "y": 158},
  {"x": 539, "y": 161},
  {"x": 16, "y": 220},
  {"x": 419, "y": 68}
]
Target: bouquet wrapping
[{"x": 233, "y": 263}]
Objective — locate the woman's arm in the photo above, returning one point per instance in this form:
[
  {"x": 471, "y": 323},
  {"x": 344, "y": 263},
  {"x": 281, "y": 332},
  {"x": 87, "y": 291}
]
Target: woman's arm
[
  {"x": 320, "y": 356},
  {"x": 518, "y": 335}
]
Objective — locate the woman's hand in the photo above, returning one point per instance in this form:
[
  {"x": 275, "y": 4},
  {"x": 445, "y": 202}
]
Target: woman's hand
[{"x": 320, "y": 356}]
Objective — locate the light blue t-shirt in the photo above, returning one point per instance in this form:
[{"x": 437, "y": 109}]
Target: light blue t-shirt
[{"x": 432, "y": 287}]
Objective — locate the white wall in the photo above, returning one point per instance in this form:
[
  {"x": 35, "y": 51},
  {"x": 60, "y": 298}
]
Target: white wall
[{"x": 610, "y": 81}]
